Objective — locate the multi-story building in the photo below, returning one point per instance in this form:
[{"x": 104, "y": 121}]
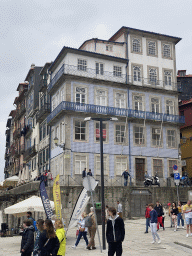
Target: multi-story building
[
  {"x": 185, "y": 83},
  {"x": 185, "y": 109},
  {"x": 132, "y": 76}
]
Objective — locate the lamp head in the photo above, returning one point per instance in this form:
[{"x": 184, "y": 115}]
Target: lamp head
[{"x": 56, "y": 140}]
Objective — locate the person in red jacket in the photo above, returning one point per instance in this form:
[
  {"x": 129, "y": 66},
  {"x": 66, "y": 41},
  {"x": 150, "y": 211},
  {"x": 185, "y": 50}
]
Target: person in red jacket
[{"x": 147, "y": 216}]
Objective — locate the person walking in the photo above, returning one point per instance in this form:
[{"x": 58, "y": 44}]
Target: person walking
[
  {"x": 153, "y": 224},
  {"x": 106, "y": 213},
  {"x": 48, "y": 241},
  {"x": 29, "y": 217},
  {"x": 147, "y": 216},
  {"x": 169, "y": 212},
  {"x": 82, "y": 231},
  {"x": 187, "y": 209},
  {"x": 27, "y": 241},
  {"x": 125, "y": 174},
  {"x": 40, "y": 229},
  {"x": 174, "y": 213},
  {"x": 89, "y": 173},
  {"x": 115, "y": 233},
  {"x": 159, "y": 209},
  {"x": 92, "y": 231},
  {"x": 84, "y": 173},
  {"x": 119, "y": 209},
  {"x": 180, "y": 215},
  {"x": 60, "y": 233}
]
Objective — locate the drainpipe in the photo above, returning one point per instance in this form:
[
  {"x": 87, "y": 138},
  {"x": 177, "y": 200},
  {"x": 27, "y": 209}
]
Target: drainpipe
[
  {"x": 50, "y": 130},
  {"x": 129, "y": 124}
]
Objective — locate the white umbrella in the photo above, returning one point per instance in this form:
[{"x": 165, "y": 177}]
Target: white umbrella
[
  {"x": 32, "y": 204},
  {"x": 11, "y": 181}
]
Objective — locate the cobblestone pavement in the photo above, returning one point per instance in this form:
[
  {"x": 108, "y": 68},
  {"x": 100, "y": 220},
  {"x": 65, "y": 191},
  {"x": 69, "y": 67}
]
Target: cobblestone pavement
[{"x": 136, "y": 242}]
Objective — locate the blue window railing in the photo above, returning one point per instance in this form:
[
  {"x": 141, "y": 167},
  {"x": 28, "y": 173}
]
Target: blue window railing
[{"x": 102, "y": 110}]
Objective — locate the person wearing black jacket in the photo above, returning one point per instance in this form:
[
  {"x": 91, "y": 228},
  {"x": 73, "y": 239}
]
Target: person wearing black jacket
[
  {"x": 27, "y": 241},
  {"x": 159, "y": 209},
  {"x": 115, "y": 233},
  {"x": 48, "y": 241}
]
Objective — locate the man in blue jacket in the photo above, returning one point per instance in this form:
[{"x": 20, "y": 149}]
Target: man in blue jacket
[
  {"x": 115, "y": 233},
  {"x": 125, "y": 174}
]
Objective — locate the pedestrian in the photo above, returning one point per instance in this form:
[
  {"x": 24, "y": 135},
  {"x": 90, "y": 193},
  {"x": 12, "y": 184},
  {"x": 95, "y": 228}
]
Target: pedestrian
[
  {"x": 106, "y": 213},
  {"x": 174, "y": 213},
  {"x": 92, "y": 231},
  {"x": 115, "y": 233},
  {"x": 119, "y": 209},
  {"x": 49, "y": 178},
  {"x": 146, "y": 175},
  {"x": 27, "y": 241},
  {"x": 40, "y": 229},
  {"x": 180, "y": 215},
  {"x": 60, "y": 232},
  {"x": 84, "y": 173},
  {"x": 89, "y": 173},
  {"x": 159, "y": 209},
  {"x": 45, "y": 178},
  {"x": 187, "y": 209},
  {"x": 169, "y": 211},
  {"x": 29, "y": 217},
  {"x": 125, "y": 174},
  {"x": 147, "y": 216},
  {"x": 153, "y": 224},
  {"x": 48, "y": 241},
  {"x": 82, "y": 231}
]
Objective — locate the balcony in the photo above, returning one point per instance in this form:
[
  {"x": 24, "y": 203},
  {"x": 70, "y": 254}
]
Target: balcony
[
  {"x": 43, "y": 85},
  {"x": 16, "y": 134},
  {"x": 43, "y": 112},
  {"x": 111, "y": 111},
  {"x": 22, "y": 148},
  {"x": 28, "y": 130},
  {"x": 108, "y": 76},
  {"x": 20, "y": 112},
  {"x": 30, "y": 152}
]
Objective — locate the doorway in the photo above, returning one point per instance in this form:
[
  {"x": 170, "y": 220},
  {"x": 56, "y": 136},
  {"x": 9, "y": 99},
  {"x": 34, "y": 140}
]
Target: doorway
[{"x": 140, "y": 170}]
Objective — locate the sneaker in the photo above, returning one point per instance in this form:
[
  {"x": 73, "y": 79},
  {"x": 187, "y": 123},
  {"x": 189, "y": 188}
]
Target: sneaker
[
  {"x": 93, "y": 248},
  {"x": 145, "y": 232},
  {"x": 177, "y": 226},
  {"x": 159, "y": 241},
  {"x": 187, "y": 235},
  {"x": 153, "y": 242},
  {"x": 183, "y": 227},
  {"x": 74, "y": 246},
  {"x": 191, "y": 234},
  {"x": 174, "y": 230},
  {"x": 88, "y": 248}
]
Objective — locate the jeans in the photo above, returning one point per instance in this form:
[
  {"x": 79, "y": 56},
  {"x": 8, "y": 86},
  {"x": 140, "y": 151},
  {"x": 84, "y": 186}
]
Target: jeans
[
  {"x": 147, "y": 224},
  {"x": 125, "y": 182},
  {"x": 180, "y": 217},
  {"x": 153, "y": 227},
  {"x": 84, "y": 234}
]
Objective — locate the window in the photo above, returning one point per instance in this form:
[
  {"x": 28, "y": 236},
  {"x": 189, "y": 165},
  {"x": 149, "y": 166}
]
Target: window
[
  {"x": 151, "y": 48},
  {"x": 97, "y": 131},
  {"x": 139, "y": 135},
  {"x": 80, "y": 129},
  {"x": 171, "y": 138},
  {"x": 166, "y": 50},
  {"x": 99, "y": 68},
  {"x": 80, "y": 163},
  {"x": 120, "y": 134},
  {"x": 167, "y": 77},
  {"x": 82, "y": 65},
  {"x": 136, "y": 45},
  {"x": 152, "y": 75},
  {"x": 121, "y": 165},
  {"x": 138, "y": 102},
  {"x": 40, "y": 133},
  {"x": 98, "y": 165},
  {"x": 156, "y": 137},
  {"x": 170, "y": 107},
  {"x": 171, "y": 164},
  {"x": 155, "y": 105},
  {"x": 120, "y": 100},
  {"x": 53, "y": 103},
  {"x": 80, "y": 95},
  {"x": 101, "y": 97},
  {"x": 57, "y": 132},
  {"x": 44, "y": 130},
  {"x": 137, "y": 73},
  {"x": 117, "y": 71},
  {"x": 158, "y": 167},
  {"x": 61, "y": 132},
  {"x": 109, "y": 48},
  {"x": 47, "y": 154}
]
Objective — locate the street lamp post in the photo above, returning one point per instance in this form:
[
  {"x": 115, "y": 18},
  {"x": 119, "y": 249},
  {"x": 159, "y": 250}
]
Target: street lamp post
[{"x": 102, "y": 172}]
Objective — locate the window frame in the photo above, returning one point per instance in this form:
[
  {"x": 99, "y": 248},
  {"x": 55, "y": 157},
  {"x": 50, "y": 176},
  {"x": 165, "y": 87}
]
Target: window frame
[
  {"x": 144, "y": 133},
  {"x": 75, "y": 94},
  {"x": 158, "y": 158},
  {"x": 81, "y": 168},
  {"x": 117, "y": 71},
  {"x": 156, "y": 47},
  {"x": 122, "y": 168},
  {"x": 174, "y": 106},
  {"x": 86, "y": 130},
  {"x": 115, "y": 92},
  {"x": 125, "y": 134},
  {"x": 162, "y": 50},
  {"x": 155, "y": 97},
  {"x": 143, "y": 101},
  {"x": 141, "y": 47},
  {"x": 105, "y": 164},
  {"x": 100, "y": 70},
  {"x": 96, "y": 89},
  {"x": 107, "y": 132},
  {"x": 157, "y": 75},
  {"x": 173, "y": 136},
  {"x": 161, "y": 136},
  {"x": 82, "y": 66},
  {"x": 168, "y": 165}
]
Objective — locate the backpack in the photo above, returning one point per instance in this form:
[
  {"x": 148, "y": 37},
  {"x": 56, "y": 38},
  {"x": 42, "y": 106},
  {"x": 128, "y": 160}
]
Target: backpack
[
  {"x": 88, "y": 221},
  {"x": 34, "y": 224}
]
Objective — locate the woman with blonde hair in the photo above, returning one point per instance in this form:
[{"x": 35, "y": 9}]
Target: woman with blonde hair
[
  {"x": 60, "y": 232},
  {"x": 82, "y": 231},
  {"x": 48, "y": 241}
]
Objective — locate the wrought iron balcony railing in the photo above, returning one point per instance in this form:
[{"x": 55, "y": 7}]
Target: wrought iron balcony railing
[
  {"x": 30, "y": 152},
  {"x": 43, "y": 112},
  {"x": 111, "y": 76},
  {"x": 102, "y": 110}
]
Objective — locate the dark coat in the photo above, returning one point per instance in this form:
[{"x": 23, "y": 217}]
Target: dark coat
[
  {"x": 159, "y": 210},
  {"x": 27, "y": 241},
  {"x": 51, "y": 247},
  {"x": 119, "y": 229}
]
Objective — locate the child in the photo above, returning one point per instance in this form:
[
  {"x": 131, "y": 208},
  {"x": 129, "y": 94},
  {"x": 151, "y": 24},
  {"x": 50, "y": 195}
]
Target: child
[
  {"x": 27, "y": 242},
  {"x": 153, "y": 224}
]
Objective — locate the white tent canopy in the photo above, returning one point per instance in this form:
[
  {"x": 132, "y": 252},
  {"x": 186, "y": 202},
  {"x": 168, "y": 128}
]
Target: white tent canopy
[
  {"x": 32, "y": 204},
  {"x": 11, "y": 181}
]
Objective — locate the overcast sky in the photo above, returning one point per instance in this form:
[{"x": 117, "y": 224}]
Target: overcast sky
[{"x": 34, "y": 31}]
